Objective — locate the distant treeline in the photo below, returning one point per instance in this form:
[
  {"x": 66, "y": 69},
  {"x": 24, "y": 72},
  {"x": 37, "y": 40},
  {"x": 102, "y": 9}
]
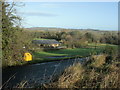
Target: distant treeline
[{"x": 77, "y": 38}]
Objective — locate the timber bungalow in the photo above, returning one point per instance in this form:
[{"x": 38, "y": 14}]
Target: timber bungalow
[{"x": 47, "y": 43}]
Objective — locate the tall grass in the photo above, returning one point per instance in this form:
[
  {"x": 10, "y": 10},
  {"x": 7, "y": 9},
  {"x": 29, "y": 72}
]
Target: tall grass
[{"x": 96, "y": 72}]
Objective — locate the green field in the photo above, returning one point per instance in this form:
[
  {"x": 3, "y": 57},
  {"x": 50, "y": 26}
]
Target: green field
[
  {"x": 101, "y": 45},
  {"x": 76, "y": 51},
  {"x": 72, "y": 53}
]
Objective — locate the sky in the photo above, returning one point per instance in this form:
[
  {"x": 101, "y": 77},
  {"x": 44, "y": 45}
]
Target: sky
[{"x": 73, "y": 15}]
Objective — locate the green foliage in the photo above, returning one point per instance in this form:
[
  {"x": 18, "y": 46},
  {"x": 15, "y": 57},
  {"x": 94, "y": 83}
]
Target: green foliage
[
  {"x": 13, "y": 37},
  {"x": 110, "y": 50},
  {"x": 78, "y": 38},
  {"x": 110, "y": 38}
]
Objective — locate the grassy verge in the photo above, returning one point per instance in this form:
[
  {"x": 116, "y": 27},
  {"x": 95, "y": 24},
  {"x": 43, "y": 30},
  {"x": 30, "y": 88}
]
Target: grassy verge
[
  {"x": 98, "y": 72},
  {"x": 41, "y": 60}
]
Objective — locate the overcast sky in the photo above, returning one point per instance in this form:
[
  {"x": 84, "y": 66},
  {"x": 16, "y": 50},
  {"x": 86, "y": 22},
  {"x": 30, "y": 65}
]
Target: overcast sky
[{"x": 76, "y": 15}]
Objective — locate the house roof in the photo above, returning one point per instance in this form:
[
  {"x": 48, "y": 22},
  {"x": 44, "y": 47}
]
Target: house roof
[{"x": 46, "y": 41}]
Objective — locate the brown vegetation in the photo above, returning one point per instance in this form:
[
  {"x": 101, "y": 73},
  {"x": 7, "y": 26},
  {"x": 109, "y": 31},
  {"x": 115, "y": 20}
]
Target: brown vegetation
[{"x": 95, "y": 73}]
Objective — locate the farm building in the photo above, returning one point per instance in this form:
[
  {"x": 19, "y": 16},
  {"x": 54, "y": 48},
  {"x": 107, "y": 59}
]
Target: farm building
[{"x": 47, "y": 43}]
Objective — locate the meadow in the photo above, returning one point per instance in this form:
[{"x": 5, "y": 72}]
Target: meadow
[{"x": 69, "y": 53}]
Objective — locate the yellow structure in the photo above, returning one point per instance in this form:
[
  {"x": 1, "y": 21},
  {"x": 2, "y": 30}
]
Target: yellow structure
[
  {"x": 54, "y": 45},
  {"x": 27, "y": 57}
]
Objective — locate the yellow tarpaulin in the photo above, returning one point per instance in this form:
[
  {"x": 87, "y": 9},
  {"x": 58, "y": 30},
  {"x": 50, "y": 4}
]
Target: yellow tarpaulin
[{"x": 27, "y": 57}]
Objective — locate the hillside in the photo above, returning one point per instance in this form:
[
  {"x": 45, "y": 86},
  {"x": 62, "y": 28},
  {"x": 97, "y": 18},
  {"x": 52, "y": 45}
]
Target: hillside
[
  {"x": 61, "y": 29},
  {"x": 97, "y": 33}
]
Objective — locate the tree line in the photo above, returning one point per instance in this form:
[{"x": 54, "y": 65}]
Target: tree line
[{"x": 76, "y": 38}]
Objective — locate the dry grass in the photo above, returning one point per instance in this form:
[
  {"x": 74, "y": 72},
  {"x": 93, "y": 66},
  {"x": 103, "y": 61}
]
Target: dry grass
[
  {"x": 82, "y": 76},
  {"x": 111, "y": 80},
  {"x": 22, "y": 84},
  {"x": 70, "y": 76},
  {"x": 98, "y": 61}
]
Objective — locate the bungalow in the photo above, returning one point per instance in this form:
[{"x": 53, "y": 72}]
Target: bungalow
[{"x": 47, "y": 43}]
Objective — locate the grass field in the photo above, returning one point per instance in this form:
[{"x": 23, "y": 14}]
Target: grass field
[
  {"x": 76, "y": 52},
  {"x": 65, "y": 52}
]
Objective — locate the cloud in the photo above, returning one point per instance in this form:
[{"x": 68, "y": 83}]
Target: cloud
[{"x": 37, "y": 14}]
